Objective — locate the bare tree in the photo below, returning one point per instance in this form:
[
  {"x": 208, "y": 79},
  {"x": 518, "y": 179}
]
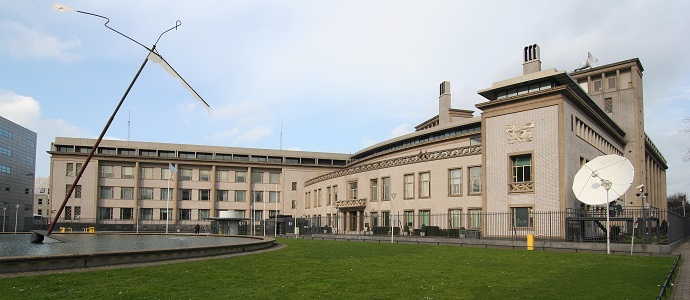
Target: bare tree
[
  {"x": 686, "y": 157},
  {"x": 676, "y": 202}
]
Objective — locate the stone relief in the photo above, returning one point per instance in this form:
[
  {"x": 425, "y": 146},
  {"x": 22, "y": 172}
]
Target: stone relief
[{"x": 519, "y": 133}]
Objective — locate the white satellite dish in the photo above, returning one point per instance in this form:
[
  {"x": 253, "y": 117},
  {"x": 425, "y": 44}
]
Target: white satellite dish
[
  {"x": 590, "y": 62},
  {"x": 605, "y": 177}
]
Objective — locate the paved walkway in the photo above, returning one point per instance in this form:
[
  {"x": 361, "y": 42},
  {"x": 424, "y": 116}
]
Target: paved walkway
[{"x": 681, "y": 287}]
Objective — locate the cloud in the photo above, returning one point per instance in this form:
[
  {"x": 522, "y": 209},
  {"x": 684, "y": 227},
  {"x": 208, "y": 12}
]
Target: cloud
[
  {"x": 400, "y": 130},
  {"x": 20, "y": 41},
  {"x": 26, "y": 112}
]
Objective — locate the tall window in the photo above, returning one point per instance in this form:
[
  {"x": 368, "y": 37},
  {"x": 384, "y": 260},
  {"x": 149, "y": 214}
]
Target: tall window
[
  {"x": 386, "y": 218},
  {"x": 318, "y": 195},
  {"x": 147, "y": 173},
  {"x": 409, "y": 218},
  {"x": 258, "y": 196},
  {"x": 127, "y": 172},
  {"x": 455, "y": 182},
  {"x": 240, "y": 176},
  {"x": 221, "y": 195},
  {"x": 274, "y": 197},
  {"x": 185, "y": 174},
  {"x": 240, "y": 196},
  {"x": 273, "y": 177},
  {"x": 474, "y": 216},
  {"x": 105, "y": 192},
  {"x": 257, "y": 177},
  {"x": 424, "y": 185},
  {"x": 409, "y": 186},
  {"x": 107, "y": 172},
  {"x": 69, "y": 170},
  {"x": 185, "y": 214},
  {"x": 424, "y": 217},
  {"x": 68, "y": 213},
  {"x": 204, "y": 175},
  {"x": 145, "y": 193},
  {"x": 352, "y": 190},
  {"x": 374, "y": 190},
  {"x": 127, "y": 193},
  {"x": 521, "y": 217},
  {"x": 608, "y": 105},
  {"x": 146, "y": 214},
  {"x": 185, "y": 194},
  {"x": 166, "y": 173},
  {"x": 335, "y": 194},
  {"x": 204, "y": 214},
  {"x": 522, "y": 168},
  {"x": 204, "y": 195},
  {"x": 386, "y": 191},
  {"x": 165, "y": 213},
  {"x": 475, "y": 180},
  {"x": 166, "y": 193},
  {"x": 77, "y": 212},
  {"x": 328, "y": 196},
  {"x": 77, "y": 190},
  {"x": 455, "y": 218}
]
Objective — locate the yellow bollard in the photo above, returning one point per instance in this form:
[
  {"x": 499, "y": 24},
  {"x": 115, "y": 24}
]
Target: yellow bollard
[
  {"x": 92, "y": 229},
  {"x": 62, "y": 229},
  {"x": 530, "y": 242}
]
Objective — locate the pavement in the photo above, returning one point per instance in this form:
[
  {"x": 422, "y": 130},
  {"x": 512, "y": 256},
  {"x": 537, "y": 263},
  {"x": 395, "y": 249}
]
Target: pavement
[{"x": 681, "y": 285}]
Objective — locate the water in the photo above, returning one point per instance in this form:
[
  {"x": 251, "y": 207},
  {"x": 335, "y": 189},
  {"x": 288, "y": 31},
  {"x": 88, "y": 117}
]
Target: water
[{"x": 12, "y": 245}]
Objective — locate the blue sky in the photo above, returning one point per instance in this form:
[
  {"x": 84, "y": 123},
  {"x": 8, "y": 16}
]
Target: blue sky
[{"x": 337, "y": 76}]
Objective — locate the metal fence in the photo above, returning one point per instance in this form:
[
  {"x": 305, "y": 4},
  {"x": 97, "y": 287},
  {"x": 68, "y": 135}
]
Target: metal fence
[{"x": 651, "y": 226}]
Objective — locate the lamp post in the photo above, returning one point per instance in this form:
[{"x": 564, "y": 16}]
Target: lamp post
[
  {"x": 607, "y": 185},
  {"x": 4, "y": 208},
  {"x": 16, "y": 216},
  {"x": 153, "y": 56},
  {"x": 393, "y": 196}
]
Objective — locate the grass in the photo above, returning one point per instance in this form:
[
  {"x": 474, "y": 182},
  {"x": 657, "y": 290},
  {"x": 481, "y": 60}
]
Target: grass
[{"x": 309, "y": 269}]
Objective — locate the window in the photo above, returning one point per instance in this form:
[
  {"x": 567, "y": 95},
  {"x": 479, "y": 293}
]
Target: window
[
  {"x": 221, "y": 195},
  {"x": 77, "y": 212},
  {"x": 76, "y": 192},
  {"x": 612, "y": 82},
  {"x": 204, "y": 155},
  {"x": 597, "y": 85},
  {"x": 258, "y": 215},
  {"x": 294, "y": 204},
  {"x": 455, "y": 182},
  {"x": 126, "y": 193},
  {"x": 5, "y": 169},
  {"x": 147, "y": 213},
  {"x": 475, "y": 180},
  {"x": 318, "y": 197},
  {"x": 335, "y": 194},
  {"x": 185, "y": 174},
  {"x": 424, "y": 218},
  {"x": 6, "y": 133},
  {"x": 521, "y": 217},
  {"x": 258, "y": 196},
  {"x": 374, "y": 190},
  {"x": 107, "y": 172},
  {"x": 257, "y": 177},
  {"x": 328, "y": 196},
  {"x": 127, "y": 151},
  {"x": 273, "y": 177},
  {"x": 147, "y": 173},
  {"x": 222, "y": 176},
  {"x": 166, "y": 173},
  {"x": 204, "y": 195},
  {"x": 352, "y": 190},
  {"x": 185, "y": 214},
  {"x": 40, "y": 201},
  {"x": 386, "y": 217},
  {"x": 68, "y": 213},
  {"x": 274, "y": 197},
  {"x": 105, "y": 213},
  {"x": 455, "y": 218},
  {"x": 203, "y": 214},
  {"x": 165, "y": 213},
  {"x": 162, "y": 153},
  {"x": 126, "y": 213},
  {"x": 474, "y": 216},
  {"x": 409, "y": 218},
  {"x": 145, "y": 193},
  {"x": 386, "y": 191},
  {"x": 223, "y": 156},
  {"x": 147, "y": 152},
  {"x": 127, "y": 172},
  {"x": 204, "y": 175},
  {"x": 608, "y": 105},
  {"x": 374, "y": 219},
  {"x": 424, "y": 185},
  {"x": 408, "y": 181},
  {"x": 186, "y": 154},
  {"x": 105, "y": 192},
  {"x": 110, "y": 151},
  {"x": 185, "y": 194},
  {"x": 39, "y": 212},
  {"x": 240, "y": 196},
  {"x": 240, "y": 176},
  {"x": 5, "y": 151},
  {"x": 522, "y": 168},
  {"x": 294, "y": 186},
  {"x": 69, "y": 171},
  {"x": 166, "y": 193}
]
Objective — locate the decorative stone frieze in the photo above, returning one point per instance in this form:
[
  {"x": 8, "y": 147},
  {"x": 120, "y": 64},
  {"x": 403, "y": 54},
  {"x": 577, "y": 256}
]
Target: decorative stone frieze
[{"x": 520, "y": 133}]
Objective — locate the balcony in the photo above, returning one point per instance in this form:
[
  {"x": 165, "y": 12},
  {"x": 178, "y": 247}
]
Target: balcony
[{"x": 351, "y": 203}]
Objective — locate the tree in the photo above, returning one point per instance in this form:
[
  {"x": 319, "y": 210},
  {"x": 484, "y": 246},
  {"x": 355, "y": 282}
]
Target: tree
[
  {"x": 686, "y": 157},
  {"x": 676, "y": 202}
]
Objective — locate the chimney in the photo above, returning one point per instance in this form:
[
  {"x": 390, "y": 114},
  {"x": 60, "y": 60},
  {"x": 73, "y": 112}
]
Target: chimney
[
  {"x": 532, "y": 62},
  {"x": 444, "y": 104}
]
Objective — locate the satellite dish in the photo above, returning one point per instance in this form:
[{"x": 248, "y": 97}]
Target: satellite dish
[
  {"x": 589, "y": 184},
  {"x": 591, "y": 62},
  {"x": 599, "y": 180}
]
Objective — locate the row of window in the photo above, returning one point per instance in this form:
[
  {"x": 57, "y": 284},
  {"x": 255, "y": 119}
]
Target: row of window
[
  {"x": 147, "y": 193},
  {"x": 126, "y": 213},
  {"x": 6, "y": 133},
  {"x": 127, "y": 172}
]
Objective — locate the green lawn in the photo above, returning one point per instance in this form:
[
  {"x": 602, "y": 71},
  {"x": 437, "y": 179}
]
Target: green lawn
[{"x": 309, "y": 269}]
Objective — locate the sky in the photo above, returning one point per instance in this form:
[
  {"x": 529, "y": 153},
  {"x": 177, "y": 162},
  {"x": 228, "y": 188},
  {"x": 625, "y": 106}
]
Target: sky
[{"x": 312, "y": 75}]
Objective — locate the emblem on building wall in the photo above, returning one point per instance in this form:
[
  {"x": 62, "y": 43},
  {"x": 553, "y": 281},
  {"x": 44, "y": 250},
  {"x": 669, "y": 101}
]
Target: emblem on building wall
[{"x": 520, "y": 133}]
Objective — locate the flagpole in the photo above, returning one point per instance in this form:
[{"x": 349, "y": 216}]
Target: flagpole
[
  {"x": 167, "y": 203},
  {"x": 263, "y": 215},
  {"x": 275, "y": 218}
]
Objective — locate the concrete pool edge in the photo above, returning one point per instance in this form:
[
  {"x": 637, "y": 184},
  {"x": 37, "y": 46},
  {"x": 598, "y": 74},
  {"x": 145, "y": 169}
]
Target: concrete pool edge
[{"x": 18, "y": 264}]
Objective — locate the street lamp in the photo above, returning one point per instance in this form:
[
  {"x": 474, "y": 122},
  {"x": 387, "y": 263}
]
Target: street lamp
[
  {"x": 4, "y": 208},
  {"x": 153, "y": 56},
  {"x": 16, "y": 215},
  {"x": 392, "y": 195}
]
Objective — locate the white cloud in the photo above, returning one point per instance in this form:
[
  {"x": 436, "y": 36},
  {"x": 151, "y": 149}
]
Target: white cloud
[
  {"x": 402, "y": 129},
  {"x": 20, "y": 41}
]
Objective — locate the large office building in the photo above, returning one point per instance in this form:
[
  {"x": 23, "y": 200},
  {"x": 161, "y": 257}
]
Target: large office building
[
  {"x": 517, "y": 156},
  {"x": 17, "y": 172}
]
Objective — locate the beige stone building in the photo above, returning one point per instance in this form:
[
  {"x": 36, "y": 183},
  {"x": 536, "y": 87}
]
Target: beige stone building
[{"x": 516, "y": 158}]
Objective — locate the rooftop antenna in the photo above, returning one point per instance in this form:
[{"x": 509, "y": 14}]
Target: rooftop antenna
[
  {"x": 152, "y": 56},
  {"x": 281, "y": 135},
  {"x": 600, "y": 177},
  {"x": 129, "y": 118},
  {"x": 590, "y": 62}
]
